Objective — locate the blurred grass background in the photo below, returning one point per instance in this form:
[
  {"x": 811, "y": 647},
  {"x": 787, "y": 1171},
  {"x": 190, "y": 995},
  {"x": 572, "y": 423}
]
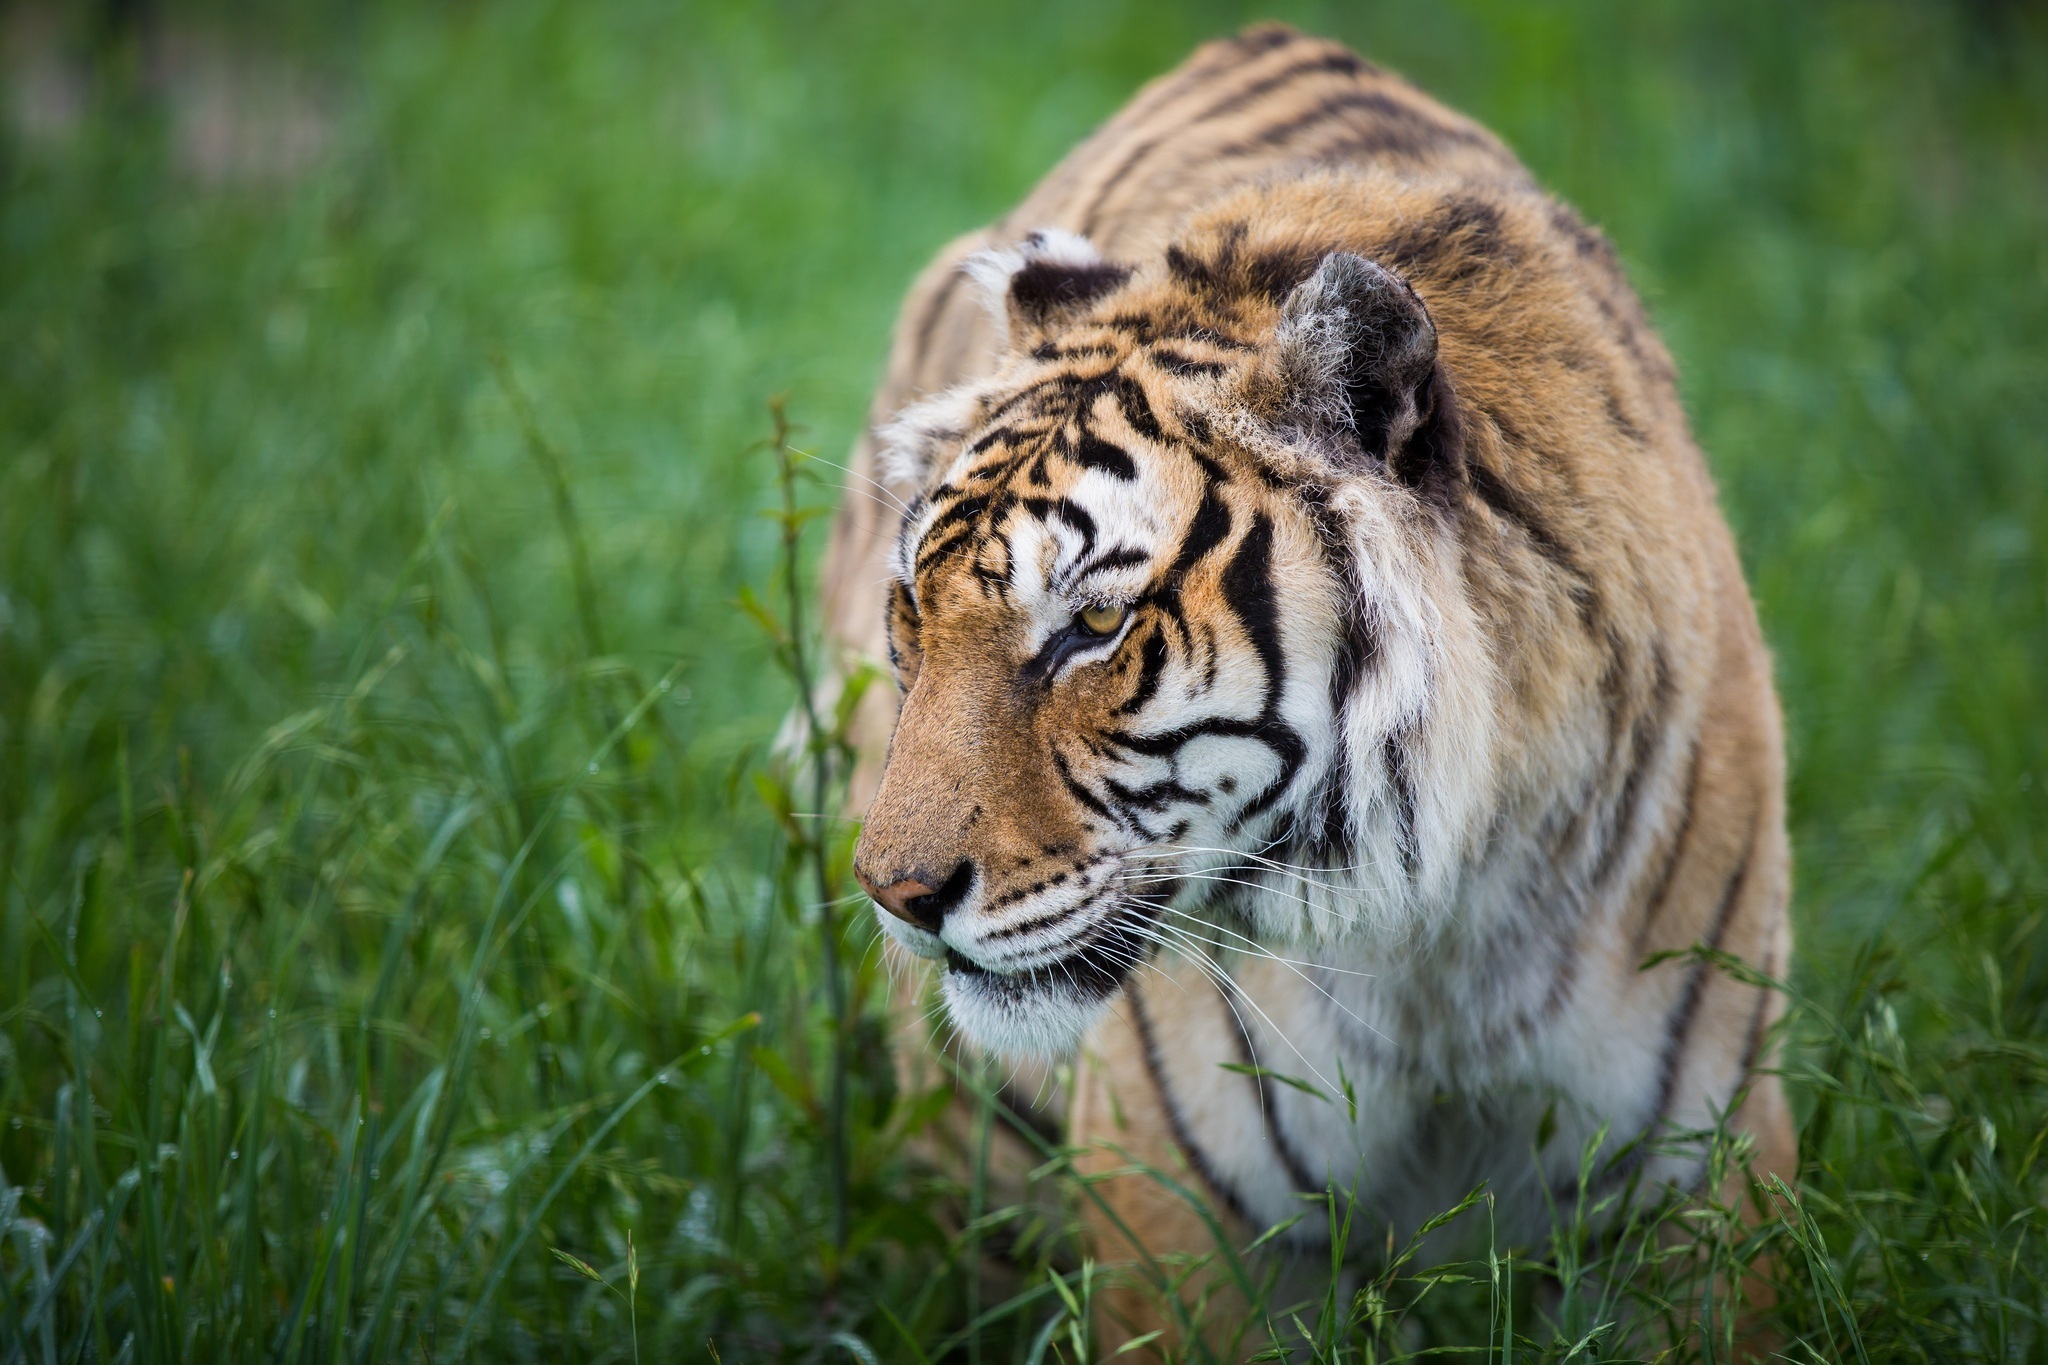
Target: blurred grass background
[{"x": 385, "y": 894}]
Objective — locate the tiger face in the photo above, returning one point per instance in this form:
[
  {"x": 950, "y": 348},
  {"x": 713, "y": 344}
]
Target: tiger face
[{"x": 1128, "y": 606}]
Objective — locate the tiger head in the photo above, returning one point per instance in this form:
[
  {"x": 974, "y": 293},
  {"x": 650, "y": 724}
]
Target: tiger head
[{"x": 1160, "y": 607}]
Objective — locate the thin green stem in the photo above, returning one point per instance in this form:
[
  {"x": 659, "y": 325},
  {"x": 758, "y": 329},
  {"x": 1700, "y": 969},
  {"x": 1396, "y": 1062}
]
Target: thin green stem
[{"x": 811, "y": 846}]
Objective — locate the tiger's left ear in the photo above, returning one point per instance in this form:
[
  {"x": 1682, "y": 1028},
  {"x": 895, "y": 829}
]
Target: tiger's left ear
[
  {"x": 1047, "y": 278},
  {"x": 1355, "y": 355}
]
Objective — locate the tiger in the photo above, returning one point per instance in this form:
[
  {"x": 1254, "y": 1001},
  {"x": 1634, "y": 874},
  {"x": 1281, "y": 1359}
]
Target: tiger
[{"x": 1320, "y": 658}]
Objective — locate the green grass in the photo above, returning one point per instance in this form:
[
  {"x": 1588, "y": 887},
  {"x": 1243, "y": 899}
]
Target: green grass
[{"x": 387, "y": 894}]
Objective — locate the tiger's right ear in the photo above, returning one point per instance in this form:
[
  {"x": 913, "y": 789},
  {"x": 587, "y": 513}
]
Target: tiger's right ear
[
  {"x": 1355, "y": 358},
  {"x": 1047, "y": 278}
]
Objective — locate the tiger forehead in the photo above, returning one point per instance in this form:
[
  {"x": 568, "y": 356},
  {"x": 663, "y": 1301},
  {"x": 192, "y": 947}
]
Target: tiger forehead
[
  {"x": 1043, "y": 475},
  {"x": 1119, "y": 417},
  {"x": 1090, "y": 382}
]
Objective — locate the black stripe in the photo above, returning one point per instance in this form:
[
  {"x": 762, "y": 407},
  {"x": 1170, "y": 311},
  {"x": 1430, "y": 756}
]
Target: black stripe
[
  {"x": 994, "y": 583},
  {"x": 1136, "y": 407},
  {"x": 1176, "y": 1122},
  {"x": 1075, "y": 350},
  {"x": 1095, "y": 453},
  {"x": 1152, "y": 657},
  {"x": 1401, "y": 788},
  {"x": 1326, "y": 62},
  {"x": 989, "y": 439},
  {"x": 1040, "y": 289},
  {"x": 1144, "y": 329},
  {"x": 1680, "y": 1025},
  {"x": 1165, "y": 743},
  {"x": 1067, "y": 511},
  {"x": 1154, "y": 796},
  {"x": 1405, "y": 127},
  {"x": 1297, "y": 1171},
  {"x": 1173, "y": 362},
  {"x": 1207, "y": 530},
  {"x": 1247, "y": 584},
  {"x": 1644, "y": 737},
  {"x": 1507, "y": 503},
  {"x": 1340, "y": 62},
  {"x": 1074, "y": 787},
  {"x": 1076, "y": 516},
  {"x": 1115, "y": 557},
  {"x": 1463, "y": 238},
  {"x": 1052, "y": 384},
  {"x": 1075, "y": 394},
  {"x": 1357, "y": 651},
  {"x": 1753, "y": 1040},
  {"x": 967, "y": 508},
  {"x": 1040, "y": 922},
  {"x": 1194, "y": 427},
  {"x": 932, "y": 554},
  {"x": 1674, "y": 847},
  {"x": 1332, "y": 840}
]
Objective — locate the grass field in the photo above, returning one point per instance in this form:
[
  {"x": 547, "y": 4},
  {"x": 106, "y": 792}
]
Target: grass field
[{"x": 396, "y": 885}]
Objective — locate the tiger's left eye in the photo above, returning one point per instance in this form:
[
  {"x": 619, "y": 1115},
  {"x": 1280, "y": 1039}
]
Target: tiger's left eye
[{"x": 1103, "y": 620}]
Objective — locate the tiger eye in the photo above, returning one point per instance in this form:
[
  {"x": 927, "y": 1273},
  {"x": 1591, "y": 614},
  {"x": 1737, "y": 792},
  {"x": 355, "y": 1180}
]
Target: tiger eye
[{"x": 1103, "y": 620}]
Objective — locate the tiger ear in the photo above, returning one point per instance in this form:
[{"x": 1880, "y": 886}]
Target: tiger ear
[
  {"x": 1045, "y": 279},
  {"x": 911, "y": 446},
  {"x": 1356, "y": 354}
]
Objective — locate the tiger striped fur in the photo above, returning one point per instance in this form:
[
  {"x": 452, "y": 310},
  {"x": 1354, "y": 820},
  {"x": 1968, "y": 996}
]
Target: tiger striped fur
[{"x": 1320, "y": 653}]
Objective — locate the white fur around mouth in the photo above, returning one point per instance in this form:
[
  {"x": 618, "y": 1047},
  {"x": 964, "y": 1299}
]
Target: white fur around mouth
[
  {"x": 1043, "y": 1010},
  {"x": 913, "y": 939},
  {"x": 1021, "y": 1016}
]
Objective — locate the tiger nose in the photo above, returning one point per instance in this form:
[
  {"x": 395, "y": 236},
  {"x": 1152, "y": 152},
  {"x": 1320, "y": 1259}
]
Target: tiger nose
[
  {"x": 897, "y": 897},
  {"x": 915, "y": 901}
]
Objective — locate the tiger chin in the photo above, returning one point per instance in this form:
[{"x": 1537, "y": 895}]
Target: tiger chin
[{"x": 1319, "y": 652}]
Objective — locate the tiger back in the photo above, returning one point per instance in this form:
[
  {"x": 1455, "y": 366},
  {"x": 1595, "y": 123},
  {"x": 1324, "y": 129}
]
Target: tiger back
[{"x": 1320, "y": 654}]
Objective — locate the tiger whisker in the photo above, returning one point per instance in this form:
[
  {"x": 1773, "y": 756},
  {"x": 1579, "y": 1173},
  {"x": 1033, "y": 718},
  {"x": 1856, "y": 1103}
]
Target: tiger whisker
[
  {"x": 1232, "y": 988},
  {"x": 1293, "y": 967},
  {"x": 1229, "y": 985},
  {"x": 1279, "y": 873},
  {"x": 1252, "y": 862},
  {"x": 1226, "y": 988},
  {"x": 1217, "y": 880},
  {"x": 1252, "y": 947},
  {"x": 882, "y": 488},
  {"x": 1249, "y": 945},
  {"x": 1171, "y": 850}
]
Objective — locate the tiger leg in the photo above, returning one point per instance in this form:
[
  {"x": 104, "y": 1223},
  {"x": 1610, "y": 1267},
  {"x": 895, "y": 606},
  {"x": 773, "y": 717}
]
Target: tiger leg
[
  {"x": 1762, "y": 1119},
  {"x": 1767, "y": 1118},
  {"x": 1139, "y": 1208}
]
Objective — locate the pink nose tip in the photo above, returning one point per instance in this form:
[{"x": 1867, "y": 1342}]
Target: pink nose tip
[{"x": 896, "y": 897}]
